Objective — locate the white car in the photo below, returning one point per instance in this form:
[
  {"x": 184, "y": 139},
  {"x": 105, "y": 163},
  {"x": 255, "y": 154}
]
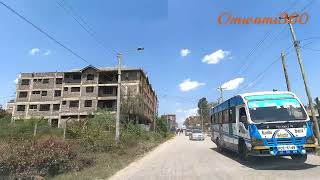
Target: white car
[
  {"x": 187, "y": 132},
  {"x": 196, "y": 134}
]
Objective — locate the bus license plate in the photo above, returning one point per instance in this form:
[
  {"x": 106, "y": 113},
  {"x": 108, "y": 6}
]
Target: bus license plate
[{"x": 287, "y": 148}]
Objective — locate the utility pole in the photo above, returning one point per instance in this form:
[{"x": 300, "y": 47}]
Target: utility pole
[
  {"x": 117, "y": 136},
  {"x": 154, "y": 123},
  {"x": 201, "y": 119},
  {"x": 285, "y": 71},
  {"x": 221, "y": 89},
  {"x": 318, "y": 104},
  {"x": 304, "y": 77}
]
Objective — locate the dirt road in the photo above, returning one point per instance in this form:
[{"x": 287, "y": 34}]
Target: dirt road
[{"x": 180, "y": 158}]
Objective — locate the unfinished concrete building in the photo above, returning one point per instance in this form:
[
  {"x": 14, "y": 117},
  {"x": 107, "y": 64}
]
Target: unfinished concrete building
[{"x": 77, "y": 94}]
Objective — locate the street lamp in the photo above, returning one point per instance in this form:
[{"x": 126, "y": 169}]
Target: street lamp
[{"x": 119, "y": 58}]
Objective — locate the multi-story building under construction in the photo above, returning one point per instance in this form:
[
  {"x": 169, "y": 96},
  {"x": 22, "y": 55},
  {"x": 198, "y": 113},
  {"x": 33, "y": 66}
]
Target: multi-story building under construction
[{"x": 77, "y": 94}]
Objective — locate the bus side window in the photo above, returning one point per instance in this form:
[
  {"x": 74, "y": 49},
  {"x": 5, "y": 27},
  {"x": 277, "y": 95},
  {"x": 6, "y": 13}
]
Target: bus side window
[
  {"x": 242, "y": 115},
  {"x": 220, "y": 117},
  {"x": 212, "y": 119},
  {"x": 216, "y": 121},
  {"x": 232, "y": 114},
  {"x": 226, "y": 116}
]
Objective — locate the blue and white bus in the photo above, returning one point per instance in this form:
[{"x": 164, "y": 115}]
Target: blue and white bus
[{"x": 263, "y": 124}]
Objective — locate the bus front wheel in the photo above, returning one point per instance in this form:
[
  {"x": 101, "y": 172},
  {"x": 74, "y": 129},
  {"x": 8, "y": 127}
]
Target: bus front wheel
[
  {"x": 218, "y": 144},
  {"x": 299, "y": 158},
  {"x": 243, "y": 151}
]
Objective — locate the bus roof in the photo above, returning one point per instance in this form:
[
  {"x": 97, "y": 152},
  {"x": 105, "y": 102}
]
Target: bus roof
[
  {"x": 239, "y": 99},
  {"x": 265, "y": 93}
]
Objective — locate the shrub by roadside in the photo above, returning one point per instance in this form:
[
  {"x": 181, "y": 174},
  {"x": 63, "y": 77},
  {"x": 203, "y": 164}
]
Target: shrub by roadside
[
  {"x": 44, "y": 157},
  {"x": 89, "y": 143}
]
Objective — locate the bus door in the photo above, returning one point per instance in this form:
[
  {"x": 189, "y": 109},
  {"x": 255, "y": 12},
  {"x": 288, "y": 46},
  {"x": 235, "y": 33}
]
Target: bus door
[
  {"x": 233, "y": 128},
  {"x": 221, "y": 137},
  {"x": 242, "y": 122}
]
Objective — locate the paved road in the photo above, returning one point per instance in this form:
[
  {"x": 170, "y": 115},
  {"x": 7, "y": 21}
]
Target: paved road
[{"x": 180, "y": 158}]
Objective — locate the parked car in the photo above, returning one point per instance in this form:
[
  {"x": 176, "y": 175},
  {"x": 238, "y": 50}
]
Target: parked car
[
  {"x": 187, "y": 132},
  {"x": 196, "y": 134}
]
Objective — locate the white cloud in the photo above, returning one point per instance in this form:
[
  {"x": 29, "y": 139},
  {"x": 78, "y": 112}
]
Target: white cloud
[
  {"x": 47, "y": 53},
  {"x": 188, "y": 85},
  {"x": 215, "y": 57},
  {"x": 182, "y": 114},
  {"x": 17, "y": 79},
  {"x": 179, "y": 110},
  {"x": 232, "y": 84},
  {"x": 185, "y": 52},
  {"x": 191, "y": 112},
  {"x": 34, "y": 51}
]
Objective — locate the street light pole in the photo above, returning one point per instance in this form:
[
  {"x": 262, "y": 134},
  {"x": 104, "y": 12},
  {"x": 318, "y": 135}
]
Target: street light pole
[
  {"x": 117, "y": 137},
  {"x": 221, "y": 89},
  {"x": 119, "y": 58}
]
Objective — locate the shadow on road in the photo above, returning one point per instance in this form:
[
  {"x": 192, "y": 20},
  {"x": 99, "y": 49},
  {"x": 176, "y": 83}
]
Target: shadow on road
[{"x": 266, "y": 163}]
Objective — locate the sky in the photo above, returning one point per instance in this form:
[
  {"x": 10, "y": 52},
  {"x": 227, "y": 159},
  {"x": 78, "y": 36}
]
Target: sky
[{"x": 187, "y": 55}]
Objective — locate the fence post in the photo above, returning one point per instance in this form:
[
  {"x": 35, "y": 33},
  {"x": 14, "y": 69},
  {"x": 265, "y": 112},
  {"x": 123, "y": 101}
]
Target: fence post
[
  {"x": 35, "y": 129},
  {"x": 65, "y": 129}
]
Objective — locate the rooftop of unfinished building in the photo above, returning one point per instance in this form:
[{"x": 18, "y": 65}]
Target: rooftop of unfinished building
[
  {"x": 112, "y": 68},
  {"x": 102, "y": 69}
]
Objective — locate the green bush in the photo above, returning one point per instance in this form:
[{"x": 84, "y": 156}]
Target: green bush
[
  {"x": 46, "y": 157},
  {"x": 25, "y": 156},
  {"x": 96, "y": 134},
  {"x": 24, "y": 129},
  {"x": 4, "y": 114}
]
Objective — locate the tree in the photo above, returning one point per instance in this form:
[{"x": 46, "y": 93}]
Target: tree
[
  {"x": 162, "y": 126},
  {"x": 4, "y": 113},
  {"x": 213, "y": 104},
  {"x": 203, "y": 111},
  {"x": 131, "y": 104}
]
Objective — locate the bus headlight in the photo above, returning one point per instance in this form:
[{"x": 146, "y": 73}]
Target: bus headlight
[
  {"x": 310, "y": 140},
  {"x": 256, "y": 142}
]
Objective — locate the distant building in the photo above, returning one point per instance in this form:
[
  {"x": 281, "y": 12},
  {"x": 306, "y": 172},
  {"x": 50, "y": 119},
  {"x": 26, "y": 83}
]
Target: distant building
[
  {"x": 171, "y": 119},
  {"x": 77, "y": 94},
  {"x": 192, "y": 121},
  {"x": 9, "y": 106}
]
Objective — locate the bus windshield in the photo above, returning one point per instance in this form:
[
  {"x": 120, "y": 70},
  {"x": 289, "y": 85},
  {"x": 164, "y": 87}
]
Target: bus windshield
[{"x": 273, "y": 110}]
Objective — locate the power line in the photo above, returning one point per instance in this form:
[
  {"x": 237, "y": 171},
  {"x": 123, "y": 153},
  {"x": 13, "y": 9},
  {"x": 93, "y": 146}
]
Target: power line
[
  {"x": 252, "y": 60},
  {"x": 311, "y": 49},
  {"x": 307, "y": 5},
  {"x": 84, "y": 25},
  {"x": 261, "y": 74},
  {"x": 310, "y": 38},
  {"x": 43, "y": 32},
  {"x": 259, "y": 44}
]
